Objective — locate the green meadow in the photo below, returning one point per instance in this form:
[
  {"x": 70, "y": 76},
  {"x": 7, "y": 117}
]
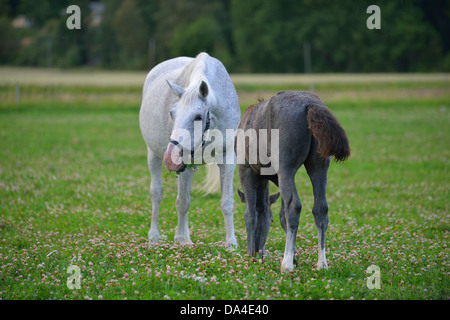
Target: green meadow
[{"x": 74, "y": 191}]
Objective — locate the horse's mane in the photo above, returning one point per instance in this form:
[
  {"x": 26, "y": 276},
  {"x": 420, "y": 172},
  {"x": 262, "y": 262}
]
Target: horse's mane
[
  {"x": 196, "y": 72},
  {"x": 191, "y": 93}
]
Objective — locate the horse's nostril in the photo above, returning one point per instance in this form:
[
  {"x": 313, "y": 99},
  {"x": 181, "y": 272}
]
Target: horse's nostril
[{"x": 173, "y": 157}]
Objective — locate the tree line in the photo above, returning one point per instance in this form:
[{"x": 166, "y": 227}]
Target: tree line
[{"x": 246, "y": 35}]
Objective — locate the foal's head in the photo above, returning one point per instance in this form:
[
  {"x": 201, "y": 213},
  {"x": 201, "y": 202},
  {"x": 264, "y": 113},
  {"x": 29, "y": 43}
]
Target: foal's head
[
  {"x": 258, "y": 229},
  {"x": 262, "y": 202}
]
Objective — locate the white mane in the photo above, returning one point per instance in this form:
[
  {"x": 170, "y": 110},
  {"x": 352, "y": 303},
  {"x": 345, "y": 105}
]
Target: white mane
[{"x": 198, "y": 74}]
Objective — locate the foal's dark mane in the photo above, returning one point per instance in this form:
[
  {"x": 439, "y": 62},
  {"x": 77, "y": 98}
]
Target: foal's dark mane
[{"x": 255, "y": 105}]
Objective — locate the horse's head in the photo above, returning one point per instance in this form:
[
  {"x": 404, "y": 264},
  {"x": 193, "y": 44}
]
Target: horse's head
[{"x": 191, "y": 119}]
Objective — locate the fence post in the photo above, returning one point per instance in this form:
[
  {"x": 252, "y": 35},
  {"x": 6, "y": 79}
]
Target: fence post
[{"x": 17, "y": 94}]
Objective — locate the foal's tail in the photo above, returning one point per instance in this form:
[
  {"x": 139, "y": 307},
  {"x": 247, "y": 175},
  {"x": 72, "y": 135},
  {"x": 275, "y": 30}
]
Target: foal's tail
[{"x": 331, "y": 137}]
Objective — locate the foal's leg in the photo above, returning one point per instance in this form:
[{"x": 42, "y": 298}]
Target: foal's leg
[
  {"x": 156, "y": 193},
  {"x": 227, "y": 202},
  {"x": 264, "y": 217},
  {"x": 248, "y": 183},
  {"x": 317, "y": 169},
  {"x": 262, "y": 230},
  {"x": 282, "y": 217},
  {"x": 183, "y": 202},
  {"x": 292, "y": 208},
  {"x": 283, "y": 224}
]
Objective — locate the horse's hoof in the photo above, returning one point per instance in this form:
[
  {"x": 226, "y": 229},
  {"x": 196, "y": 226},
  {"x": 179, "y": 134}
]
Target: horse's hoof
[
  {"x": 153, "y": 236},
  {"x": 287, "y": 267},
  {"x": 182, "y": 240},
  {"x": 322, "y": 265},
  {"x": 232, "y": 244}
]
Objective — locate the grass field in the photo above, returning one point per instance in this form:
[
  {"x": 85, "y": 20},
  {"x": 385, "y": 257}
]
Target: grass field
[{"x": 74, "y": 190}]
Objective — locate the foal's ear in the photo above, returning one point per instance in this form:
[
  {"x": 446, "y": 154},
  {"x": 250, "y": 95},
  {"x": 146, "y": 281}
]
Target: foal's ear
[
  {"x": 176, "y": 88},
  {"x": 241, "y": 195},
  {"x": 203, "y": 90},
  {"x": 273, "y": 198}
]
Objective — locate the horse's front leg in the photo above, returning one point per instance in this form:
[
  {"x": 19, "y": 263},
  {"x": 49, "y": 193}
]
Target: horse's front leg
[
  {"x": 182, "y": 204},
  {"x": 227, "y": 202},
  {"x": 156, "y": 193}
]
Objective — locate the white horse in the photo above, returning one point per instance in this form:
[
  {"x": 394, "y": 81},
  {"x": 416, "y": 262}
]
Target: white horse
[{"x": 179, "y": 96}]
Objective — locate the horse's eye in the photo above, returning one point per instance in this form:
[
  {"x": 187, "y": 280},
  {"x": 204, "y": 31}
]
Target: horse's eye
[
  {"x": 198, "y": 118},
  {"x": 171, "y": 114}
]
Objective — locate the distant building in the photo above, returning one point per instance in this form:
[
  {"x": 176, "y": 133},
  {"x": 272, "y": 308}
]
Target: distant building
[
  {"x": 96, "y": 16},
  {"x": 21, "y": 22}
]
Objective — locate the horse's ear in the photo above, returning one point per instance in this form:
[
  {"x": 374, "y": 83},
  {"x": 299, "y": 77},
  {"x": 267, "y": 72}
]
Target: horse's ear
[
  {"x": 241, "y": 195},
  {"x": 203, "y": 90},
  {"x": 176, "y": 88},
  {"x": 273, "y": 198}
]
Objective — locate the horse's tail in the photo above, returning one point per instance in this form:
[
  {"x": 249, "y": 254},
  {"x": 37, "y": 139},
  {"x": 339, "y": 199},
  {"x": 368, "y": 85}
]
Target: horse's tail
[
  {"x": 331, "y": 137},
  {"x": 212, "y": 181}
]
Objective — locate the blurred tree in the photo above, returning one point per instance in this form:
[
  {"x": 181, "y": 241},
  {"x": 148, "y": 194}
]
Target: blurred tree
[
  {"x": 131, "y": 34},
  {"x": 170, "y": 16},
  {"x": 53, "y": 45},
  {"x": 188, "y": 27},
  {"x": 39, "y": 12},
  {"x": 414, "y": 44},
  {"x": 9, "y": 40},
  {"x": 269, "y": 36},
  {"x": 201, "y": 35},
  {"x": 204, "y": 34},
  {"x": 105, "y": 48},
  {"x": 8, "y": 8},
  {"x": 248, "y": 36}
]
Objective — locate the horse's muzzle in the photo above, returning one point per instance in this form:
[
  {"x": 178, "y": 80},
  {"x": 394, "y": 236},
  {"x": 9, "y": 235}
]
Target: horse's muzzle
[{"x": 173, "y": 158}]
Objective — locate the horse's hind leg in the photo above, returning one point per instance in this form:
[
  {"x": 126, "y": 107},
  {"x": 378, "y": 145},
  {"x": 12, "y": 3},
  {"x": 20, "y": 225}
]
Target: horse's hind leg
[
  {"x": 317, "y": 169},
  {"x": 156, "y": 193},
  {"x": 183, "y": 203}
]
